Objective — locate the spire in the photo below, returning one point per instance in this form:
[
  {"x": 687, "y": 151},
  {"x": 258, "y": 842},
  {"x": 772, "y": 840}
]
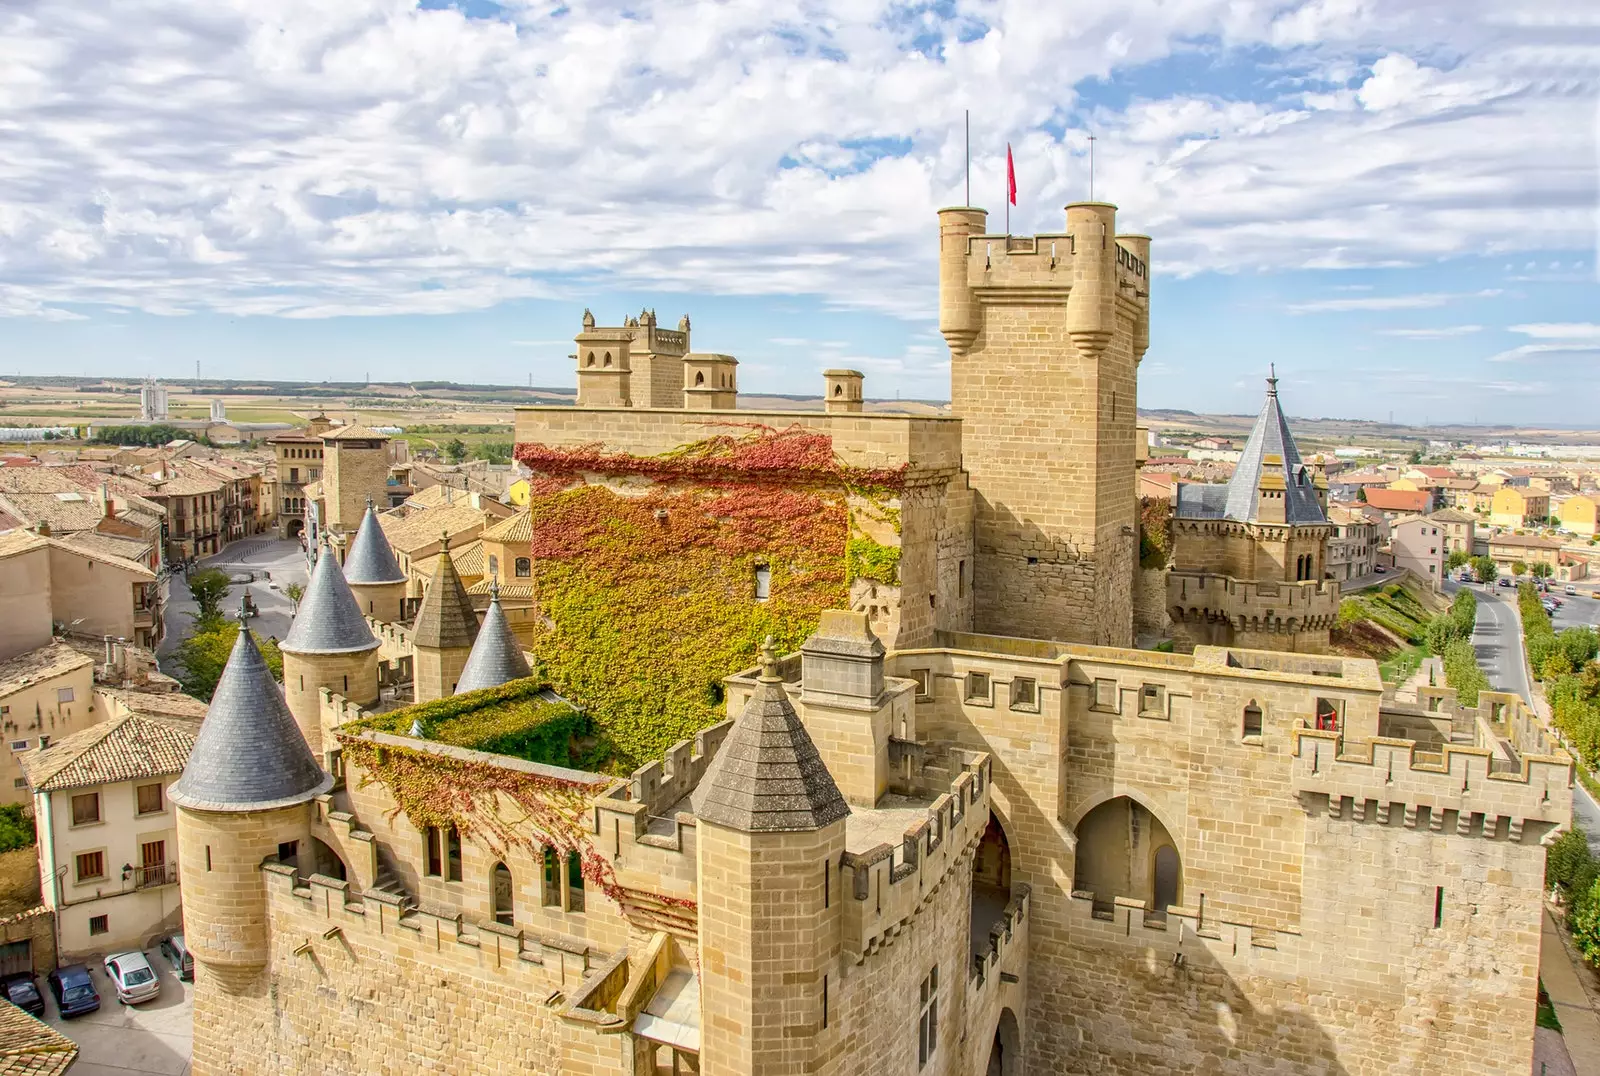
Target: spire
[
  {"x": 496, "y": 657},
  {"x": 1270, "y": 457},
  {"x": 371, "y": 561},
  {"x": 768, "y": 777},
  {"x": 250, "y": 755},
  {"x": 446, "y": 620},
  {"x": 1272, "y": 380},
  {"x": 329, "y": 620}
]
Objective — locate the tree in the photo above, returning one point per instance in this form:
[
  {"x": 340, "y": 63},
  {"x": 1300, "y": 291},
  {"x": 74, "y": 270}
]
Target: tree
[
  {"x": 1485, "y": 569},
  {"x": 294, "y": 592},
  {"x": 208, "y": 588},
  {"x": 1519, "y": 567},
  {"x": 1361, "y": 494},
  {"x": 455, "y": 450},
  {"x": 1541, "y": 570},
  {"x": 1456, "y": 559},
  {"x": 201, "y": 657},
  {"x": 1583, "y": 918},
  {"x": 1416, "y": 456}
]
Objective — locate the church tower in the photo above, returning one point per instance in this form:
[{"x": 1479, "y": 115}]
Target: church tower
[
  {"x": 1045, "y": 334},
  {"x": 770, "y": 834},
  {"x": 444, "y": 631},
  {"x": 244, "y": 798},
  {"x": 328, "y": 646},
  {"x": 373, "y": 573}
]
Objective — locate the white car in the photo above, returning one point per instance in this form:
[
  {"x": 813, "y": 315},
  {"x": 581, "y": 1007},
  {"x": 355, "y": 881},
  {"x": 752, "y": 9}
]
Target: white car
[{"x": 133, "y": 977}]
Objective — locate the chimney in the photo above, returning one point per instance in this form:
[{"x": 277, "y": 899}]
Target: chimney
[{"x": 107, "y": 507}]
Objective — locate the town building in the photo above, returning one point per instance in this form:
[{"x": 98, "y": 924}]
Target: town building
[
  {"x": 1519, "y": 506},
  {"x": 1398, "y": 504},
  {"x": 153, "y": 401},
  {"x": 107, "y": 838},
  {"x": 1418, "y": 544},
  {"x": 1510, "y": 549},
  {"x": 1580, "y": 514},
  {"x": 889, "y": 839},
  {"x": 1250, "y": 559},
  {"x": 49, "y": 586},
  {"x": 1354, "y": 543},
  {"x": 1457, "y": 528},
  {"x": 298, "y": 455}
]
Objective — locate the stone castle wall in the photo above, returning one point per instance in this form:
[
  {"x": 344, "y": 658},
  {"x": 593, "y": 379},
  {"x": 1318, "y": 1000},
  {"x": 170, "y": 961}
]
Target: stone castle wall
[{"x": 1150, "y": 602}]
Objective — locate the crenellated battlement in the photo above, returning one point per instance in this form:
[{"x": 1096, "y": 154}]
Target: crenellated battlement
[
  {"x": 1008, "y": 946},
  {"x": 889, "y": 883},
  {"x": 1238, "y": 948},
  {"x": 637, "y": 808},
  {"x": 1429, "y": 786}
]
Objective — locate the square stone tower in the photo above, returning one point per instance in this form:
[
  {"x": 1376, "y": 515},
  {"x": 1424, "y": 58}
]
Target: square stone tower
[
  {"x": 1045, "y": 334},
  {"x": 355, "y": 472}
]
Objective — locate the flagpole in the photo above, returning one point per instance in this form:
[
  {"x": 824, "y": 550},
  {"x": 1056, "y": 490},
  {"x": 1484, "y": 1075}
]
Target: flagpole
[
  {"x": 969, "y": 159},
  {"x": 1008, "y": 191},
  {"x": 1091, "y": 168}
]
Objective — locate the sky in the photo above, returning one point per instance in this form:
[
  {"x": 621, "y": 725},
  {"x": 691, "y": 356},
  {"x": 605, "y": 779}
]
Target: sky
[{"x": 1395, "y": 201}]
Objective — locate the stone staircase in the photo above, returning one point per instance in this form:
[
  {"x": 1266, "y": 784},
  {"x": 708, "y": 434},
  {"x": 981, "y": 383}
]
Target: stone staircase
[{"x": 388, "y": 882}]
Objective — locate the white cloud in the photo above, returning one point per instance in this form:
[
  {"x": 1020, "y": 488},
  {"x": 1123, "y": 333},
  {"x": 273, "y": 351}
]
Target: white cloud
[
  {"x": 1444, "y": 332},
  {"x": 1424, "y": 301},
  {"x": 1528, "y": 351},
  {"x": 304, "y": 159},
  {"x": 1559, "y": 330}
]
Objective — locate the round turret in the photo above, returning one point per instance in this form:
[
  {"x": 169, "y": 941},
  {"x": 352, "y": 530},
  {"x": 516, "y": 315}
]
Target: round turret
[
  {"x": 374, "y": 575},
  {"x": 496, "y": 657},
  {"x": 244, "y": 798},
  {"x": 329, "y": 645}
]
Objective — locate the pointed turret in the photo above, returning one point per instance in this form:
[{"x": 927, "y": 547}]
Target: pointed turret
[
  {"x": 244, "y": 798},
  {"x": 444, "y": 632},
  {"x": 250, "y": 755},
  {"x": 1270, "y": 484},
  {"x": 374, "y": 575},
  {"x": 768, "y": 776},
  {"x": 328, "y": 646},
  {"x": 769, "y": 840},
  {"x": 496, "y": 657}
]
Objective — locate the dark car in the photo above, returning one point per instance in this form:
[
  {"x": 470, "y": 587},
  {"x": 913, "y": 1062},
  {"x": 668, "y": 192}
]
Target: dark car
[
  {"x": 1505, "y": 582},
  {"x": 23, "y": 992},
  {"x": 177, "y": 953},
  {"x": 74, "y": 990}
]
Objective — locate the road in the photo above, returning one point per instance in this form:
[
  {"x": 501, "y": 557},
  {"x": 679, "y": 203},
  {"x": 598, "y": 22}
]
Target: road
[
  {"x": 1498, "y": 640},
  {"x": 282, "y": 559}
]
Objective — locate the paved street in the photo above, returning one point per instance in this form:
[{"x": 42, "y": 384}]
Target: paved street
[
  {"x": 282, "y": 560},
  {"x": 155, "y": 1038}
]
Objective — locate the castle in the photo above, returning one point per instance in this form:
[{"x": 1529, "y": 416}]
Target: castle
[{"x": 944, "y": 819}]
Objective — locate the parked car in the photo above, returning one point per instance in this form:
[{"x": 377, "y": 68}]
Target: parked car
[
  {"x": 1570, "y": 589},
  {"x": 1378, "y": 569},
  {"x": 133, "y": 977},
  {"x": 21, "y": 991},
  {"x": 74, "y": 990},
  {"x": 176, "y": 950},
  {"x": 1504, "y": 581}
]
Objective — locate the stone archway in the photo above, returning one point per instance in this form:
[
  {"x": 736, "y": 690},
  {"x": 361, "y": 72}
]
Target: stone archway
[
  {"x": 503, "y": 891},
  {"x": 991, "y": 883},
  {"x": 1119, "y": 854},
  {"x": 324, "y": 860},
  {"x": 1005, "y": 1052}
]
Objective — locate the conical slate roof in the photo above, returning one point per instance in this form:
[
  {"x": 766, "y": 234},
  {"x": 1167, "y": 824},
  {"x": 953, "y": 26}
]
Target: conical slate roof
[
  {"x": 329, "y": 620},
  {"x": 768, "y": 776},
  {"x": 496, "y": 657},
  {"x": 250, "y": 754},
  {"x": 446, "y": 619},
  {"x": 370, "y": 561},
  {"x": 1271, "y": 450}
]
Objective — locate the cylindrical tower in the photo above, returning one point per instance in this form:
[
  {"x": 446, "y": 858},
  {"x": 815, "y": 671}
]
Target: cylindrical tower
[
  {"x": 1091, "y": 307},
  {"x": 244, "y": 797},
  {"x": 959, "y": 315},
  {"x": 328, "y": 646},
  {"x": 1139, "y": 247},
  {"x": 373, "y": 573}
]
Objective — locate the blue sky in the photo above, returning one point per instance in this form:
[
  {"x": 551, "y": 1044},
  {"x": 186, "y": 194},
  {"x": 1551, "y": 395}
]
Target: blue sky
[{"x": 1394, "y": 200}]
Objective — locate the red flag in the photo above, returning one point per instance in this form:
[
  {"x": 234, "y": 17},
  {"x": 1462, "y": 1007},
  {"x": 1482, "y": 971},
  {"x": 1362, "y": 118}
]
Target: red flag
[{"x": 1011, "y": 176}]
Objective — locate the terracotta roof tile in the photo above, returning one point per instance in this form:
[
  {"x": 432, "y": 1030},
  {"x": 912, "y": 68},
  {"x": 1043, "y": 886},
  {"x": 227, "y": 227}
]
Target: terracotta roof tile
[
  {"x": 122, "y": 749},
  {"x": 31, "y": 1047}
]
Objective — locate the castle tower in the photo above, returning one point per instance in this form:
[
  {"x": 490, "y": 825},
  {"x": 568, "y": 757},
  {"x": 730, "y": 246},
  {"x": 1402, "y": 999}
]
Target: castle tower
[
  {"x": 604, "y": 371},
  {"x": 243, "y": 798},
  {"x": 841, "y": 392},
  {"x": 1045, "y": 334},
  {"x": 771, "y": 829},
  {"x": 710, "y": 382},
  {"x": 496, "y": 657},
  {"x": 328, "y": 646},
  {"x": 444, "y": 631},
  {"x": 373, "y": 573},
  {"x": 355, "y": 470}
]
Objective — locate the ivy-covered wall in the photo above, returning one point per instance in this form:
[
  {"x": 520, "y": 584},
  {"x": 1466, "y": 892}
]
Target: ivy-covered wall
[{"x": 646, "y": 569}]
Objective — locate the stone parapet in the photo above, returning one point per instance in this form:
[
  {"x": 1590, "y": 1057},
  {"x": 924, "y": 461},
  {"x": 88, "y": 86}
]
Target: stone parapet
[
  {"x": 889, "y": 884},
  {"x": 1007, "y": 953},
  {"x": 1236, "y": 948},
  {"x": 1460, "y": 780}
]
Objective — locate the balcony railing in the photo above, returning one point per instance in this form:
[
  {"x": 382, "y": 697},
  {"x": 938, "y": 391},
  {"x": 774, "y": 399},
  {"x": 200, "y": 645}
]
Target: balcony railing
[{"x": 156, "y": 875}]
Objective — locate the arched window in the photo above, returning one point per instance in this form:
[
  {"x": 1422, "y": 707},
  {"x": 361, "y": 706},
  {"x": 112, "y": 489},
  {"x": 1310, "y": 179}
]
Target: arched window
[
  {"x": 591, "y": 358},
  {"x": 1252, "y": 719},
  {"x": 574, "y": 882},
  {"x": 552, "y": 878},
  {"x": 838, "y": 390},
  {"x": 524, "y": 567},
  {"x": 607, "y": 359},
  {"x": 494, "y": 565},
  {"x": 504, "y": 902},
  {"x": 699, "y": 378}
]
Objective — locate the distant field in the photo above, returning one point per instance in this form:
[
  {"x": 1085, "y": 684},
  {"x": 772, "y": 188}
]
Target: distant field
[{"x": 262, "y": 414}]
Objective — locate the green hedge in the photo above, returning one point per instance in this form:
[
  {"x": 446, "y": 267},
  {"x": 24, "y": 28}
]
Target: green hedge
[{"x": 511, "y": 720}]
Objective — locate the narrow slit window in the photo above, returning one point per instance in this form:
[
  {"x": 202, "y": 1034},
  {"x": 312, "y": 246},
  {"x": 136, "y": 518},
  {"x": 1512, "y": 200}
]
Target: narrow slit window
[
  {"x": 1252, "y": 719},
  {"x": 763, "y": 582},
  {"x": 1438, "y": 906}
]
